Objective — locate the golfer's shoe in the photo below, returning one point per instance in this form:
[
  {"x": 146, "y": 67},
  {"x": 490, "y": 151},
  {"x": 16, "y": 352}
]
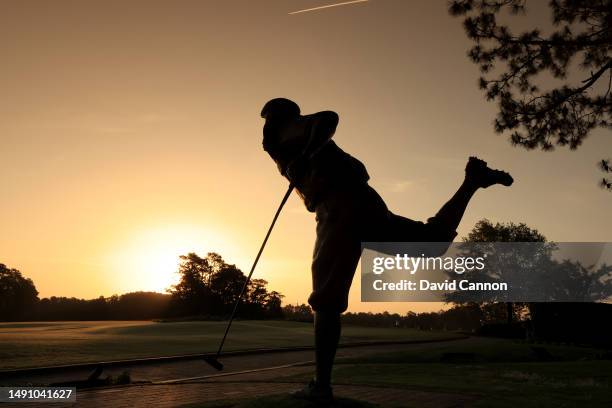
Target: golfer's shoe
[
  {"x": 315, "y": 393},
  {"x": 477, "y": 172}
]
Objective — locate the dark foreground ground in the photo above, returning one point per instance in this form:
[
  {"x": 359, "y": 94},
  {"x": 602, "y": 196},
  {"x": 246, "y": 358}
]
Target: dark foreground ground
[{"x": 474, "y": 372}]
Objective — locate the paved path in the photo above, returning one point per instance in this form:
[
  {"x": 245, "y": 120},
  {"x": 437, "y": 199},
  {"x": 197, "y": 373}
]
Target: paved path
[
  {"x": 180, "y": 394},
  {"x": 251, "y": 385}
]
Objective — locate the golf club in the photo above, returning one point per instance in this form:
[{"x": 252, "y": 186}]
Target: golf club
[{"x": 214, "y": 361}]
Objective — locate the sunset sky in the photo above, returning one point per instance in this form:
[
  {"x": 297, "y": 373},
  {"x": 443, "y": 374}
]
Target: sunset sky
[{"x": 130, "y": 134}]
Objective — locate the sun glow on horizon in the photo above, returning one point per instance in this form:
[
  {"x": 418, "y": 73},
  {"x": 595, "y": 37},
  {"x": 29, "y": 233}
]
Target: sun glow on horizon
[{"x": 149, "y": 260}]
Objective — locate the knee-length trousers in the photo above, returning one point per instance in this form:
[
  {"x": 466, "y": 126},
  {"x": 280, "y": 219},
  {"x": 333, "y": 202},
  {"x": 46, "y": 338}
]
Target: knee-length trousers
[{"x": 346, "y": 218}]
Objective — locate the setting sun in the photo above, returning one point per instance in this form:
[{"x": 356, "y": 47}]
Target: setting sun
[{"x": 152, "y": 255}]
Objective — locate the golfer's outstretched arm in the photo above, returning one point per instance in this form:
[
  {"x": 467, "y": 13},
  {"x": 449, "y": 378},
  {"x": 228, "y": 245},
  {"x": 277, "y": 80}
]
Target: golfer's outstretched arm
[
  {"x": 323, "y": 129},
  {"x": 320, "y": 131}
]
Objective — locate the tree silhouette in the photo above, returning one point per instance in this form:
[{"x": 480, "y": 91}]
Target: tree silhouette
[
  {"x": 537, "y": 118},
  {"x": 17, "y": 294},
  {"x": 193, "y": 293},
  {"x": 226, "y": 285},
  {"x": 532, "y": 268},
  {"x": 274, "y": 304},
  {"x": 210, "y": 286},
  {"x": 481, "y": 240}
]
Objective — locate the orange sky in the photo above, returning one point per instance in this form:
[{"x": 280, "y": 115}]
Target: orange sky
[{"x": 130, "y": 133}]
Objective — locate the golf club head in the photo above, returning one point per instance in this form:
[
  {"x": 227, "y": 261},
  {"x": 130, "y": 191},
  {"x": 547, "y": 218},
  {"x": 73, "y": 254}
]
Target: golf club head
[{"x": 216, "y": 364}]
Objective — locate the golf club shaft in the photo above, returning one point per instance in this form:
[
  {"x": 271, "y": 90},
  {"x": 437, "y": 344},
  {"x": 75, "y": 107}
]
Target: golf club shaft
[{"x": 246, "y": 282}]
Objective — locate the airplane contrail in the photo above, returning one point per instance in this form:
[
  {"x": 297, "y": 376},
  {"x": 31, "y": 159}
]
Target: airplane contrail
[{"x": 328, "y": 6}]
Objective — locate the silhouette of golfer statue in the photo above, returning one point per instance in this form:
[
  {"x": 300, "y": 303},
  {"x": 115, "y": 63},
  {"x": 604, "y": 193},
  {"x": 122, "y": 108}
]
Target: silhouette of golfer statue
[{"x": 334, "y": 185}]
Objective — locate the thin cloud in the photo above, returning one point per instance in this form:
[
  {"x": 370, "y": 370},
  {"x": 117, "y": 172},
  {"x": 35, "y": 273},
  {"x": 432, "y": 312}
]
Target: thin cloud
[
  {"x": 400, "y": 186},
  {"x": 346, "y": 3}
]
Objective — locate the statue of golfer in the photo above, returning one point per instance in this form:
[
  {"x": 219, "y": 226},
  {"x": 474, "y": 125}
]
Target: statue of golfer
[{"x": 334, "y": 185}]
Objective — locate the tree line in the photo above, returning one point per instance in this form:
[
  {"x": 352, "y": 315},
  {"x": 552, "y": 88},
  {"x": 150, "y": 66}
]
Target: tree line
[{"x": 207, "y": 289}]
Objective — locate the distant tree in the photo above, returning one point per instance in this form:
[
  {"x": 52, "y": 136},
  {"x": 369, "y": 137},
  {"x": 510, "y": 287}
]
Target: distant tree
[
  {"x": 98, "y": 308},
  {"x": 257, "y": 292},
  {"x": 298, "y": 313},
  {"x": 430, "y": 321},
  {"x": 468, "y": 317},
  {"x": 513, "y": 63},
  {"x": 226, "y": 285},
  {"x": 193, "y": 292},
  {"x": 485, "y": 232},
  {"x": 273, "y": 305},
  {"x": 256, "y": 297},
  {"x": 17, "y": 294},
  {"x": 410, "y": 319},
  {"x": 527, "y": 267},
  {"x": 62, "y": 308},
  {"x": 129, "y": 306},
  {"x": 211, "y": 286},
  {"x": 138, "y": 305}
]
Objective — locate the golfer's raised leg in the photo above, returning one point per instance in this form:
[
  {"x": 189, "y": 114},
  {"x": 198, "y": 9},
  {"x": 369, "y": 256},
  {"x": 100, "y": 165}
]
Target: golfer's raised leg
[{"x": 477, "y": 175}]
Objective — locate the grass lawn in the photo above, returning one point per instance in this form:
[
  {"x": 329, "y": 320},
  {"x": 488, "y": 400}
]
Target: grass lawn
[
  {"x": 497, "y": 373},
  {"x": 501, "y": 373},
  {"x": 558, "y": 384},
  {"x": 35, "y": 344}
]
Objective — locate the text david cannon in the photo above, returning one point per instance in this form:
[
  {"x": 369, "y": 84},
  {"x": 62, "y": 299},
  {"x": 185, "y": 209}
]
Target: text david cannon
[{"x": 423, "y": 284}]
